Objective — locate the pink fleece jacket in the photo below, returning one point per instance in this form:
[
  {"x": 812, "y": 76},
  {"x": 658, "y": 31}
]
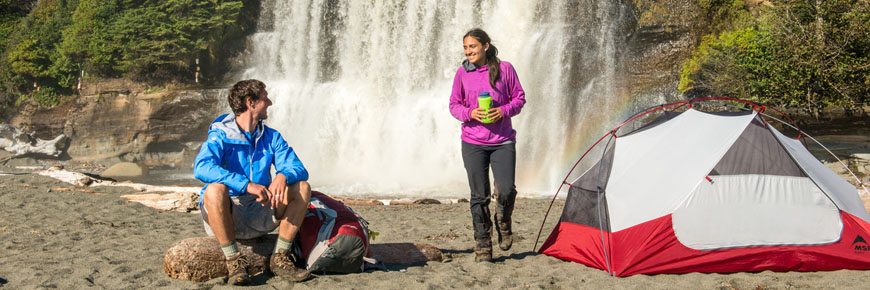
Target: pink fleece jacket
[{"x": 507, "y": 95}]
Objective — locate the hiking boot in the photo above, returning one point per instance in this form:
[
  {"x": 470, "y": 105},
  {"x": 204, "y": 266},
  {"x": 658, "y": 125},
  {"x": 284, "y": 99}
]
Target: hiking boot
[
  {"x": 505, "y": 240},
  {"x": 483, "y": 251},
  {"x": 505, "y": 236},
  {"x": 237, "y": 269},
  {"x": 282, "y": 266}
]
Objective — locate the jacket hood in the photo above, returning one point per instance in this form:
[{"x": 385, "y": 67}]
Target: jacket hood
[
  {"x": 227, "y": 123},
  {"x": 469, "y": 66}
]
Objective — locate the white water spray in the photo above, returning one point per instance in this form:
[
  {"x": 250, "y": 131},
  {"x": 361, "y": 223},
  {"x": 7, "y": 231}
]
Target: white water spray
[{"x": 361, "y": 88}]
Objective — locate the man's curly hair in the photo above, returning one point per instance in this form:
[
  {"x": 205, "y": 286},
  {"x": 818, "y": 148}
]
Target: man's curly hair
[{"x": 241, "y": 92}]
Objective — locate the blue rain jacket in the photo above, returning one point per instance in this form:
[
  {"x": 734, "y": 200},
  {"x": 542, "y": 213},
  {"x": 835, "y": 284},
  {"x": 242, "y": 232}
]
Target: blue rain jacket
[{"x": 228, "y": 157}]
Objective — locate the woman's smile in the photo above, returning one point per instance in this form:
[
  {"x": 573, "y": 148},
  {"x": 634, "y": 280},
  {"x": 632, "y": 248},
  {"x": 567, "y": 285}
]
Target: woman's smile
[{"x": 475, "y": 52}]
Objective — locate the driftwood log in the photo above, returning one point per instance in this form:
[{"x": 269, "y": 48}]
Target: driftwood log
[
  {"x": 201, "y": 259},
  {"x": 19, "y": 143},
  {"x": 177, "y": 201}
]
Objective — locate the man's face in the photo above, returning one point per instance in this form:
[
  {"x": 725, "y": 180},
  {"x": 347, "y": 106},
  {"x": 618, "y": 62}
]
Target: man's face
[{"x": 261, "y": 105}]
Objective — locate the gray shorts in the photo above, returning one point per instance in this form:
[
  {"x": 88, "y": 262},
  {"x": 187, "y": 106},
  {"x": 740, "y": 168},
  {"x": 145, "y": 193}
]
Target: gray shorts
[{"x": 250, "y": 218}]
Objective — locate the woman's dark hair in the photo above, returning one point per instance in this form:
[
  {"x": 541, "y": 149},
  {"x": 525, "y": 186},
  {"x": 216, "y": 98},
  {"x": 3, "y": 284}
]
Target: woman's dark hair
[
  {"x": 241, "y": 92},
  {"x": 492, "y": 60}
]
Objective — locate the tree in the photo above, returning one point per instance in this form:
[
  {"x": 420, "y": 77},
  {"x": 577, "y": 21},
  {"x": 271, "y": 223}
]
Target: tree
[
  {"x": 153, "y": 41},
  {"x": 809, "y": 54}
]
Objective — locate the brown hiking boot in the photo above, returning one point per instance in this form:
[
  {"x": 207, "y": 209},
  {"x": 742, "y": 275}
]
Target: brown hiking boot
[
  {"x": 505, "y": 240},
  {"x": 505, "y": 236},
  {"x": 483, "y": 251},
  {"x": 282, "y": 266},
  {"x": 237, "y": 267}
]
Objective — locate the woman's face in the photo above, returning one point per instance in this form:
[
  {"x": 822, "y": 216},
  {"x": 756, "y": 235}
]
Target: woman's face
[{"x": 475, "y": 52}]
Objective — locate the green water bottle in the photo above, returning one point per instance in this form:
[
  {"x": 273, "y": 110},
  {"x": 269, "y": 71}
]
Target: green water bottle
[{"x": 484, "y": 101}]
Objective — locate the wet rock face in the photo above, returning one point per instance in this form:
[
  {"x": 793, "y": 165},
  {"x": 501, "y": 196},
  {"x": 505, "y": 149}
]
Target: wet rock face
[
  {"x": 124, "y": 122},
  {"x": 662, "y": 38}
]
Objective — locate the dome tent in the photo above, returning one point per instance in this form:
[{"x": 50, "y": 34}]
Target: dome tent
[{"x": 697, "y": 191}]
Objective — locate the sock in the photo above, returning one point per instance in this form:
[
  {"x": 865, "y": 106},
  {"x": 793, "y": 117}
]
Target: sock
[
  {"x": 230, "y": 249},
  {"x": 283, "y": 244}
]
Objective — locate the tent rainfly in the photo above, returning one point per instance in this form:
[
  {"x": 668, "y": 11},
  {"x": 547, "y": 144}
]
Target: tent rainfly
[{"x": 696, "y": 191}]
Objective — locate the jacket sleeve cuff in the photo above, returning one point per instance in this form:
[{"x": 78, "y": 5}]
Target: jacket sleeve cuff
[
  {"x": 239, "y": 185},
  {"x": 466, "y": 116},
  {"x": 294, "y": 177}
]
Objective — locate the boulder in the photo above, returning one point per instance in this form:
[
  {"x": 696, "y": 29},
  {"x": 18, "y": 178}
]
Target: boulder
[
  {"x": 201, "y": 259},
  {"x": 124, "y": 169}
]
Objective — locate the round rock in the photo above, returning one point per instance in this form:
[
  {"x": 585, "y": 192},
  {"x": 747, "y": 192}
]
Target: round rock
[{"x": 124, "y": 169}]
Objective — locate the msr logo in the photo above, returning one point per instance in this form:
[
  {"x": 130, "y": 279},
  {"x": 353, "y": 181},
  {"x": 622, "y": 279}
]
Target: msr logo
[{"x": 860, "y": 245}]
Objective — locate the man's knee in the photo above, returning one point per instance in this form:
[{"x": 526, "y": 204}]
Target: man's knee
[
  {"x": 215, "y": 192},
  {"x": 304, "y": 190}
]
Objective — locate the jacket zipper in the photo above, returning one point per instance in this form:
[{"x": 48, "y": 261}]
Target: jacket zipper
[{"x": 251, "y": 163}]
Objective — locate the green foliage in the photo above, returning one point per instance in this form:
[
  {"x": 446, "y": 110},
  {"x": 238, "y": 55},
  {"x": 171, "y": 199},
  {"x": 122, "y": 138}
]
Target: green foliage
[
  {"x": 735, "y": 63},
  {"x": 695, "y": 16},
  {"x": 164, "y": 37},
  {"x": 88, "y": 41},
  {"x": 154, "y": 90},
  {"x": 46, "y": 96},
  {"x": 724, "y": 14},
  {"x": 809, "y": 54},
  {"x": 11, "y": 13},
  {"x": 153, "y": 41}
]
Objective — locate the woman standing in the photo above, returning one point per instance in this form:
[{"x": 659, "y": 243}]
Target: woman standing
[{"x": 487, "y": 136}]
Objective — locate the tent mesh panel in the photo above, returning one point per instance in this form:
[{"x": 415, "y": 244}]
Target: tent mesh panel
[
  {"x": 756, "y": 151},
  {"x": 583, "y": 206}
]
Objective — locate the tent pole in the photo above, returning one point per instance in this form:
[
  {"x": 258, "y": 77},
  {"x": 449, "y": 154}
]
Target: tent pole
[
  {"x": 564, "y": 181},
  {"x": 861, "y": 183},
  {"x": 604, "y": 245}
]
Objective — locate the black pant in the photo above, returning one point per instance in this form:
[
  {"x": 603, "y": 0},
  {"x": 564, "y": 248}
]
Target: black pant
[{"x": 477, "y": 159}]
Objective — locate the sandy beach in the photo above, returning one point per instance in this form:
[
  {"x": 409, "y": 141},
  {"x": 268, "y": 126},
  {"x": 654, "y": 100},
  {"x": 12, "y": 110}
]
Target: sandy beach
[{"x": 74, "y": 239}]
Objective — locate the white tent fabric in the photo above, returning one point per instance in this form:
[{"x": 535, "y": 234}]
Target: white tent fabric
[
  {"x": 654, "y": 170},
  {"x": 725, "y": 213},
  {"x": 844, "y": 195}
]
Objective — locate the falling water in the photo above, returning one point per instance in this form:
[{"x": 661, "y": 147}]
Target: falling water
[{"x": 361, "y": 88}]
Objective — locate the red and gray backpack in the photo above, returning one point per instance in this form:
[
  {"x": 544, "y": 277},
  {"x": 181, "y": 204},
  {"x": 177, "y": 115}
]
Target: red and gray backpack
[{"x": 333, "y": 238}]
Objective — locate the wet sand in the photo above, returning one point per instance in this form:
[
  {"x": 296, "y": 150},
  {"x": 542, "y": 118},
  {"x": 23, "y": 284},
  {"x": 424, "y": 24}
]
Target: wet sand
[{"x": 76, "y": 239}]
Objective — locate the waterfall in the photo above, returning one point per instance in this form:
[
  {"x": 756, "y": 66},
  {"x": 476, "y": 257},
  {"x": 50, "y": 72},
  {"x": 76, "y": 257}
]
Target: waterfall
[{"x": 361, "y": 88}]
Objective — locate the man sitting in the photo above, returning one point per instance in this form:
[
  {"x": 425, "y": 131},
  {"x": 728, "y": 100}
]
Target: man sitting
[{"x": 236, "y": 162}]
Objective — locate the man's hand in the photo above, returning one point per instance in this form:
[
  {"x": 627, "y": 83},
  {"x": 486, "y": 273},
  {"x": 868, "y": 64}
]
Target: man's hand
[
  {"x": 279, "y": 188},
  {"x": 263, "y": 194},
  {"x": 495, "y": 114}
]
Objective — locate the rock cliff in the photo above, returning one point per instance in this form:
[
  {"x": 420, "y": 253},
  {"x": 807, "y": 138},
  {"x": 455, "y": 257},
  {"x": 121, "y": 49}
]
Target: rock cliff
[{"x": 120, "y": 120}]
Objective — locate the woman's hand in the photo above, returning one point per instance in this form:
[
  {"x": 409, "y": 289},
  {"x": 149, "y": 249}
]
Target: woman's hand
[
  {"x": 477, "y": 114},
  {"x": 495, "y": 114}
]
